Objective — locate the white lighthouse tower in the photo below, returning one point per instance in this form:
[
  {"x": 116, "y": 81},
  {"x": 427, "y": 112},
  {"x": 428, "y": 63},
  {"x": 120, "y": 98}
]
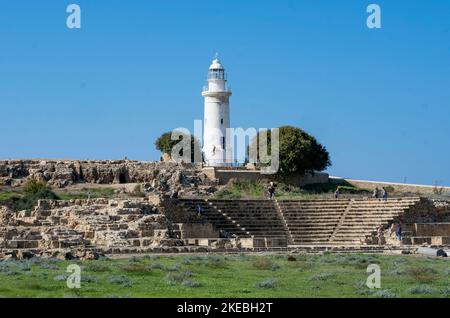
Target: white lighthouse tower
[{"x": 216, "y": 148}]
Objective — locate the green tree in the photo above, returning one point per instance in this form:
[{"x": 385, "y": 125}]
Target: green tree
[
  {"x": 299, "y": 151},
  {"x": 165, "y": 144},
  {"x": 33, "y": 190}
]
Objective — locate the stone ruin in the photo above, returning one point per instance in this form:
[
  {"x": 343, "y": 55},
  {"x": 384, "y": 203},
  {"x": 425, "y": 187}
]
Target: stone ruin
[
  {"x": 86, "y": 229},
  {"x": 159, "y": 177}
]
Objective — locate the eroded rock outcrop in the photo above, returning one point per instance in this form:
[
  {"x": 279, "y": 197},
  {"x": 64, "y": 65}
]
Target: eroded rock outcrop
[{"x": 61, "y": 173}]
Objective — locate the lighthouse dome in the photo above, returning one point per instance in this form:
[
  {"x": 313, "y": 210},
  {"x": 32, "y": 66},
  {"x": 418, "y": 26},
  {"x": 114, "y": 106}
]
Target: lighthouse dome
[{"x": 216, "y": 65}]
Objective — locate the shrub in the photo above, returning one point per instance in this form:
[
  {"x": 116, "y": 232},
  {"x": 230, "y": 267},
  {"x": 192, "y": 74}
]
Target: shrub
[
  {"x": 191, "y": 283},
  {"x": 321, "y": 276},
  {"x": 136, "y": 268},
  {"x": 34, "y": 190},
  {"x": 384, "y": 293},
  {"x": 422, "y": 274},
  {"x": 88, "y": 278},
  {"x": 291, "y": 258},
  {"x": 262, "y": 263},
  {"x": 157, "y": 266},
  {"x": 60, "y": 278},
  {"x": 94, "y": 267},
  {"x": 267, "y": 283},
  {"x": 120, "y": 280},
  {"x": 445, "y": 292},
  {"x": 216, "y": 262},
  {"x": 49, "y": 266},
  {"x": 422, "y": 289},
  {"x": 33, "y": 186},
  {"x": 174, "y": 268},
  {"x": 275, "y": 266}
]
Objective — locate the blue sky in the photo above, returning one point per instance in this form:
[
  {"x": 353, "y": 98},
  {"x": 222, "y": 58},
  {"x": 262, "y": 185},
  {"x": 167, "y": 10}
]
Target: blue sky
[{"x": 379, "y": 100}]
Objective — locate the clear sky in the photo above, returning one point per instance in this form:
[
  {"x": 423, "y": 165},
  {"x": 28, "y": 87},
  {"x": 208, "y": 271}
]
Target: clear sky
[{"x": 379, "y": 100}]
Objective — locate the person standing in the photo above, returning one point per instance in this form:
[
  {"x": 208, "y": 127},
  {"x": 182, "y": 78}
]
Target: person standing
[
  {"x": 384, "y": 194},
  {"x": 271, "y": 190},
  {"x": 337, "y": 193},
  {"x": 375, "y": 193},
  {"x": 398, "y": 232},
  {"x": 380, "y": 234}
]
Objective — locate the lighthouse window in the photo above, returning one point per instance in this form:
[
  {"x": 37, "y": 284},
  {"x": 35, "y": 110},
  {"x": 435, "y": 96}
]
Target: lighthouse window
[
  {"x": 223, "y": 142},
  {"x": 221, "y": 121}
]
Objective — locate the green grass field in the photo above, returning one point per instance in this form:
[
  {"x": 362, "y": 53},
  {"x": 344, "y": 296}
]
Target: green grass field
[{"x": 327, "y": 275}]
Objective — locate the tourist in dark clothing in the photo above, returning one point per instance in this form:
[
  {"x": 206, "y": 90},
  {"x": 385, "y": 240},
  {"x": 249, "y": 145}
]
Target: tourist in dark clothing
[
  {"x": 398, "y": 232},
  {"x": 271, "y": 190},
  {"x": 337, "y": 193},
  {"x": 175, "y": 193},
  {"x": 384, "y": 194},
  {"x": 199, "y": 212},
  {"x": 375, "y": 193}
]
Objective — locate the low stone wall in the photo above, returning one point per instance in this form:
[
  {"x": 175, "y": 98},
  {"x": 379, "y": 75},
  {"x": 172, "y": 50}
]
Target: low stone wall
[
  {"x": 225, "y": 175},
  {"x": 432, "y": 229},
  {"x": 197, "y": 230},
  {"x": 400, "y": 187}
]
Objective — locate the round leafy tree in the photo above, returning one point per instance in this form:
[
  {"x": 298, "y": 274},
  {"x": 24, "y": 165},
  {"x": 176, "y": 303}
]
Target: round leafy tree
[
  {"x": 165, "y": 144},
  {"x": 299, "y": 151}
]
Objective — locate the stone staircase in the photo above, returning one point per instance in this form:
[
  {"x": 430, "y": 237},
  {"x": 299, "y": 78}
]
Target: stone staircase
[
  {"x": 243, "y": 218},
  {"x": 211, "y": 213},
  {"x": 312, "y": 221}
]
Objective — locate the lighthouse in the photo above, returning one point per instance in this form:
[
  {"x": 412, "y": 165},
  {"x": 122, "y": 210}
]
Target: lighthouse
[{"x": 216, "y": 148}]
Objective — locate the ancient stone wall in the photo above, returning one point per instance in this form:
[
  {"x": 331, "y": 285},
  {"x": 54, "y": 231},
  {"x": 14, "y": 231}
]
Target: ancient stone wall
[{"x": 66, "y": 172}]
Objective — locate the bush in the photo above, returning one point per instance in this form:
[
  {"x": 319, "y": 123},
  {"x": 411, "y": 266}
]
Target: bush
[
  {"x": 33, "y": 191},
  {"x": 136, "y": 268},
  {"x": 157, "y": 266},
  {"x": 174, "y": 268},
  {"x": 60, "y": 278},
  {"x": 267, "y": 283},
  {"x": 33, "y": 186},
  {"x": 216, "y": 262},
  {"x": 384, "y": 293},
  {"x": 321, "y": 276},
  {"x": 120, "y": 280},
  {"x": 422, "y": 289},
  {"x": 422, "y": 274},
  {"x": 262, "y": 263},
  {"x": 191, "y": 283},
  {"x": 98, "y": 268}
]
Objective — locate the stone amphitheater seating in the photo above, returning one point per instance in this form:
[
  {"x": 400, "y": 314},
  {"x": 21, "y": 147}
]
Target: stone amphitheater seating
[
  {"x": 302, "y": 222},
  {"x": 244, "y": 218}
]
